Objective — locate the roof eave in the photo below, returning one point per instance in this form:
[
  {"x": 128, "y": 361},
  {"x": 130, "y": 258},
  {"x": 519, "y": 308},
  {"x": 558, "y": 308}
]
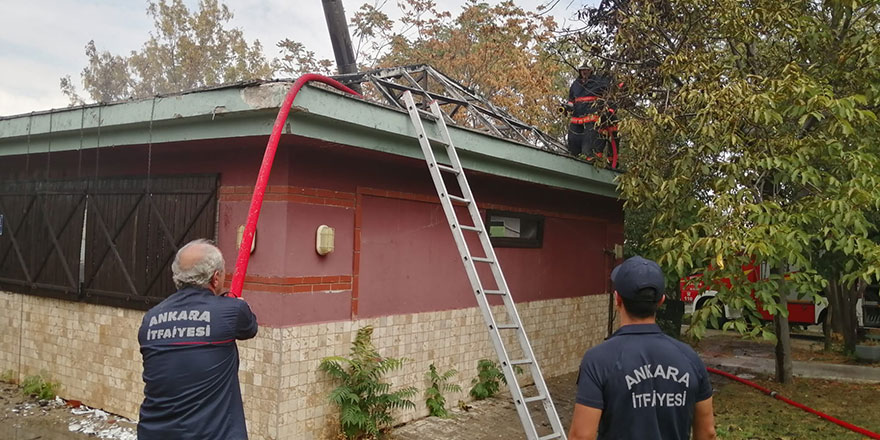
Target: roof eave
[{"x": 249, "y": 110}]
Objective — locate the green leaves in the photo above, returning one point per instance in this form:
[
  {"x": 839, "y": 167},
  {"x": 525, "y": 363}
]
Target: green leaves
[
  {"x": 488, "y": 380},
  {"x": 365, "y": 401},
  {"x": 439, "y": 384},
  {"x": 762, "y": 149}
]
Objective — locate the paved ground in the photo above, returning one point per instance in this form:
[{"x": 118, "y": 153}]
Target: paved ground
[
  {"x": 496, "y": 418},
  {"x": 812, "y": 370},
  {"x": 492, "y": 419}
]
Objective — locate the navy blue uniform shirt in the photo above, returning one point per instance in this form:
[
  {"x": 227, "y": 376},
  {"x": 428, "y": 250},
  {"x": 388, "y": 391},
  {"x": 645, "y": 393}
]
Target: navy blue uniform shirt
[
  {"x": 646, "y": 384},
  {"x": 595, "y": 86},
  {"x": 191, "y": 367}
]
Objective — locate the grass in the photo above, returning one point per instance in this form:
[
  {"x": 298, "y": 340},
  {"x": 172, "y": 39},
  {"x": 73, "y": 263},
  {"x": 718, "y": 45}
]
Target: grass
[
  {"x": 38, "y": 387},
  {"x": 742, "y": 412}
]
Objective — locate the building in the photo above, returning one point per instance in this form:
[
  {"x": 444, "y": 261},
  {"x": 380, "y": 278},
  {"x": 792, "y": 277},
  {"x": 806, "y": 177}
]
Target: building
[{"x": 96, "y": 199}]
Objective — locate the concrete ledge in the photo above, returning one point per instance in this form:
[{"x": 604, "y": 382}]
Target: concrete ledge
[{"x": 809, "y": 370}]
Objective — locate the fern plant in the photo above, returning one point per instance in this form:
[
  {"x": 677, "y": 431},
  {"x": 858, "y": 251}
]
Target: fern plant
[
  {"x": 434, "y": 399},
  {"x": 365, "y": 401},
  {"x": 489, "y": 379}
]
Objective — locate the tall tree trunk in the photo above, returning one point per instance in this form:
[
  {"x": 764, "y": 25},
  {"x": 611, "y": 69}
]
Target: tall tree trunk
[
  {"x": 843, "y": 302},
  {"x": 850, "y": 322},
  {"x": 783, "y": 337}
]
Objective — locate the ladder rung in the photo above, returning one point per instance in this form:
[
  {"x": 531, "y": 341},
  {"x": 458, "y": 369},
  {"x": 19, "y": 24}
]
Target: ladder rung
[
  {"x": 506, "y": 326},
  {"x": 447, "y": 169},
  {"x": 457, "y": 198},
  {"x": 521, "y": 362},
  {"x": 537, "y": 398},
  {"x": 483, "y": 260},
  {"x": 470, "y": 228},
  {"x": 495, "y": 292},
  {"x": 550, "y": 436}
]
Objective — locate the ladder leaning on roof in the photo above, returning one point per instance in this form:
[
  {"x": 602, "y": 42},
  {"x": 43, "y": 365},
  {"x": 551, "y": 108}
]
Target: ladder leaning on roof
[{"x": 512, "y": 323}]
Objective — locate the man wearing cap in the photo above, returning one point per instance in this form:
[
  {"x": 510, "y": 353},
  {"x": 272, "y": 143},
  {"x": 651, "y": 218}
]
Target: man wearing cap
[{"x": 640, "y": 383}]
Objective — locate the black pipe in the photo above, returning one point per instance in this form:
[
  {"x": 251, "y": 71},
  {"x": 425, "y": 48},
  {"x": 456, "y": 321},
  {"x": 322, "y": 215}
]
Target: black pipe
[{"x": 334, "y": 12}]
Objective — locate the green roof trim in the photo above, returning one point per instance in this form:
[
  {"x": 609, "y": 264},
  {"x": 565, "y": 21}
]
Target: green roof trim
[{"x": 250, "y": 109}]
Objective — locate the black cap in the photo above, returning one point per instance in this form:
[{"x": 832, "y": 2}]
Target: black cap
[{"x": 637, "y": 273}]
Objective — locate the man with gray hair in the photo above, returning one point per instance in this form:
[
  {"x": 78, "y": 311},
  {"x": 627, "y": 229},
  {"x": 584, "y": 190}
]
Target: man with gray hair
[{"x": 190, "y": 356}]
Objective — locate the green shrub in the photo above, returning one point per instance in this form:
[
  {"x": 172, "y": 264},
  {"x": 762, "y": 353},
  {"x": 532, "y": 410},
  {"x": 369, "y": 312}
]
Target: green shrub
[
  {"x": 434, "y": 394},
  {"x": 489, "y": 379},
  {"x": 364, "y": 400},
  {"x": 38, "y": 387}
]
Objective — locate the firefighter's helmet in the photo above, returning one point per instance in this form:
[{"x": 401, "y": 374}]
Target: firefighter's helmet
[{"x": 586, "y": 66}]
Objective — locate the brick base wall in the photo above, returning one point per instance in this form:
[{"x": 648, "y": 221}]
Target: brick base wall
[{"x": 92, "y": 352}]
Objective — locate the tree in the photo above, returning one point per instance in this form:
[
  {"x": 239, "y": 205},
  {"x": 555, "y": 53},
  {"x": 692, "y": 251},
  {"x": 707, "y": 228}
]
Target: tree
[
  {"x": 752, "y": 131},
  {"x": 187, "y": 49},
  {"x": 499, "y": 51},
  {"x": 296, "y": 60}
]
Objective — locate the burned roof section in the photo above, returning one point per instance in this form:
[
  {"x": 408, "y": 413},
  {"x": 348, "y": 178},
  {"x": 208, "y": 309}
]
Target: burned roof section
[{"x": 461, "y": 105}]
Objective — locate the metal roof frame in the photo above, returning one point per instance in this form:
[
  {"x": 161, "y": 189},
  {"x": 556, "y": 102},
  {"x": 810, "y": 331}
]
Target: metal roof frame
[{"x": 461, "y": 106}]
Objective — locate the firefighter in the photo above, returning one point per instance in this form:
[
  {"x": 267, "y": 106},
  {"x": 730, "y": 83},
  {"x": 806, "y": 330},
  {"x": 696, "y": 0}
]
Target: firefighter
[
  {"x": 592, "y": 125},
  {"x": 640, "y": 383},
  {"x": 583, "y": 102},
  {"x": 190, "y": 356}
]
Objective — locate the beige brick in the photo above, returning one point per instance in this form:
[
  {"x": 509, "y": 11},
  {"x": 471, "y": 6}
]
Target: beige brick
[{"x": 93, "y": 352}]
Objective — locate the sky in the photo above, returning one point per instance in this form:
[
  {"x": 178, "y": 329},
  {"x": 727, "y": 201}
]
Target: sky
[{"x": 44, "y": 40}]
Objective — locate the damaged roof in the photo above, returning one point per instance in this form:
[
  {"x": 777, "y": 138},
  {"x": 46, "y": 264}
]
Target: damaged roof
[{"x": 249, "y": 109}]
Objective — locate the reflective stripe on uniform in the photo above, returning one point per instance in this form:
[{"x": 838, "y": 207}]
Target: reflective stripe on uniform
[{"x": 584, "y": 119}]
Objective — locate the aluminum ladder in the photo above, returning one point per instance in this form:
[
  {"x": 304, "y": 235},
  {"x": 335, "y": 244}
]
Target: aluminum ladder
[{"x": 512, "y": 322}]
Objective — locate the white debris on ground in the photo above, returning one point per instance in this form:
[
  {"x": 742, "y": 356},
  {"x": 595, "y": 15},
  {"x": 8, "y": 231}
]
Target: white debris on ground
[
  {"x": 40, "y": 407},
  {"x": 100, "y": 424}
]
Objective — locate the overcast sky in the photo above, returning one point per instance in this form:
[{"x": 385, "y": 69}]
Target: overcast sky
[{"x": 43, "y": 40}]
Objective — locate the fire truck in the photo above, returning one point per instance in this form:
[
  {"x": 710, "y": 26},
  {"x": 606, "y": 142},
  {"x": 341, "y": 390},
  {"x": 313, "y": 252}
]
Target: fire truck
[{"x": 695, "y": 292}]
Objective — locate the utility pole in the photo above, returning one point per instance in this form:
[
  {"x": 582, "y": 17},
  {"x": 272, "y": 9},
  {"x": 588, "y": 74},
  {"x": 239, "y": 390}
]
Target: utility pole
[{"x": 334, "y": 12}]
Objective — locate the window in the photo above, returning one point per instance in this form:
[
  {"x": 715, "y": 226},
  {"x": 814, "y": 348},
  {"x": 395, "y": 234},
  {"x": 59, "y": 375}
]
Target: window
[{"x": 515, "y": 229}]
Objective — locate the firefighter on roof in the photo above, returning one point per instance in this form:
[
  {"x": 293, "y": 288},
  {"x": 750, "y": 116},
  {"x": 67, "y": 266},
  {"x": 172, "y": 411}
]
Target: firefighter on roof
[{"x": 592, "y": 125}]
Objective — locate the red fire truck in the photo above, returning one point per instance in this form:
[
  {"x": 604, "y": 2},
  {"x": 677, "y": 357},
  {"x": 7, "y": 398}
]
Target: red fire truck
[{"x": 695, "y": 293}]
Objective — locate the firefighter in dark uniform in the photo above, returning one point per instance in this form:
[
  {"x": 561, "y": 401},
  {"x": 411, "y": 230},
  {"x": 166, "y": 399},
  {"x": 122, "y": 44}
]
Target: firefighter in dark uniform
[
  {"x": 593, "y": 124},
  {"x": 190, "y": 356},
  {"x": 641, "y": 384},
  {"x": 584, "y": 102}
]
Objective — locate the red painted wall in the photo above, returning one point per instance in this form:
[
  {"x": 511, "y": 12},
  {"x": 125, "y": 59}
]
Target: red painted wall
[
  {"x": 409, "y": 262},
  {"x": 393, "y": 254}
]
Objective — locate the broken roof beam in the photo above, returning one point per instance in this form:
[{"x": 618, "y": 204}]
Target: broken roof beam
[
  {"x": 423, "y": 92},
  {"x": 389, "y": 95}
]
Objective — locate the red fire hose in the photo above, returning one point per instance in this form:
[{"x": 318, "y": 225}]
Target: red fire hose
[
  {"x": 776, "y": 395},
  {"x": 244, "y": 250}
]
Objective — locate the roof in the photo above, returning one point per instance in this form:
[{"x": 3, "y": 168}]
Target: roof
[
  {"x": 459, "y": 104},
  {"x": 250, "y": 108}
]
